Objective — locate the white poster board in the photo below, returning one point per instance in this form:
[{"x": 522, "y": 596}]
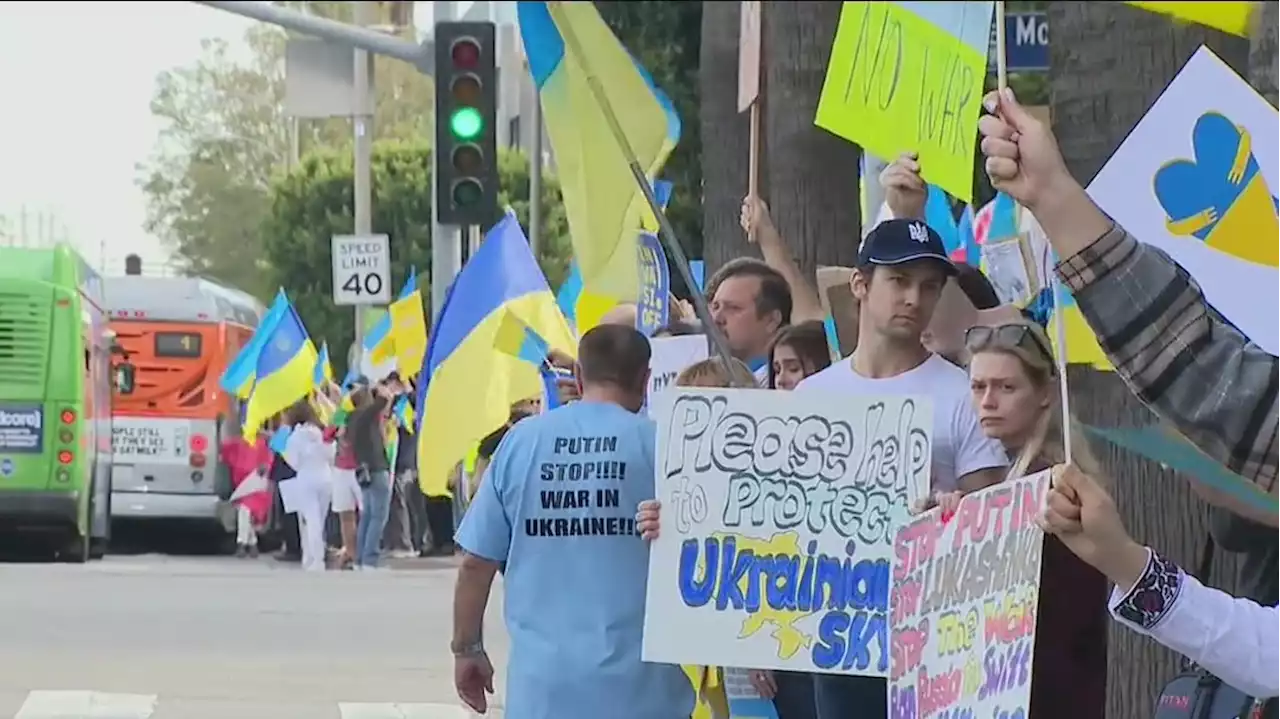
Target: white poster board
[
  {"x": 964, "y": 640},
  {"x": 1197, "y": 178},
  {"x": 778, "y": 516},
  {"x": 670, "y": 355}
]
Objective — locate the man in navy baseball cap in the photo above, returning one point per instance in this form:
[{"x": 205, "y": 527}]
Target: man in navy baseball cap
[
  {"x": 895, "y": 242},
  {"x": 901, "y": 271}
]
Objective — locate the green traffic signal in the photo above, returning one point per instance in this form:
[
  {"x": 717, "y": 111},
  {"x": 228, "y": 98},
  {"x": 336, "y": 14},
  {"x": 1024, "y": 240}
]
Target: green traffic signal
[{"x": 466, "y": 123}]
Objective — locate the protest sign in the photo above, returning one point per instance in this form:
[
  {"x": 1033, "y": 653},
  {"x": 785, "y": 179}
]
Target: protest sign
[
  {"x": 965, "y": 593},
  {"x": 841, "y": 307},
  {"x": 653, "y": 303},
  {"x": 778, "y": 516},
  {"x": 670, "y": 355},
  {"x": 908, "y": 76},
  {"x": 1197, "y": 178}
]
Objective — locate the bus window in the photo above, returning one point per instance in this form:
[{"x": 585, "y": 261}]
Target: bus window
[
  {"x": 178, "y": 345},
  {"x": 124, "y": 378}
]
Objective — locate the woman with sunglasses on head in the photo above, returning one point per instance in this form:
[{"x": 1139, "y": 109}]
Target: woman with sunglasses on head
[{"x": 1016, "y": 391}]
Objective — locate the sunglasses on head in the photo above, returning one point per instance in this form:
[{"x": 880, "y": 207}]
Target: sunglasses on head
[{"x": 1011, "y": 336}]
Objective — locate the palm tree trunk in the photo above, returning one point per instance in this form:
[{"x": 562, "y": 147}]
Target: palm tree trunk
[
  {"x": 725, "y": 134},
  {"x": 812, "y": 174}
]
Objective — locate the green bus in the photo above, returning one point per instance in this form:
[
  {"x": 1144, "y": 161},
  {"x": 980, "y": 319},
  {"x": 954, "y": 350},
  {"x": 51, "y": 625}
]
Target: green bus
[{"x": 55, "y": 401}]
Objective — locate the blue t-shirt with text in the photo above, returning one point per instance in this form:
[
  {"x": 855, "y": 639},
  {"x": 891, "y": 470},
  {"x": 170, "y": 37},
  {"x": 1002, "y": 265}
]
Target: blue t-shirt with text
[{"x": 557, "y": 505}]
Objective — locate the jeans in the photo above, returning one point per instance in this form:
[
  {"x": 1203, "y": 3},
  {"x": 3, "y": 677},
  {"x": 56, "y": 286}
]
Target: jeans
[
  {"x": 849, "y": 697},
  {"x": 398, "y": 534},
  {"x": 418, "y": 515},
  {"x": 373, "y": 519}
]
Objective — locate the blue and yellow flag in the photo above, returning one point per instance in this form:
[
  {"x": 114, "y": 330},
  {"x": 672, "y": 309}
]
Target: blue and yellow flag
[
  {"x": 575, "y": 302},
  {"x": 324, "y": 370},
  {"x": 467, "y": 384},
  {"x": 239, "y": 376},
  {"x": 570, "y": 49},
  {"x": 285, "y": 372},
  {"x": 408, "y": 329},
  {"x": 379, "y": 346},
  {"x": 402, "y": 410}
]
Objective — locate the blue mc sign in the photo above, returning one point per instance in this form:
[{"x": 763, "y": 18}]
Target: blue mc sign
[{"x": 1026, "y": 42}]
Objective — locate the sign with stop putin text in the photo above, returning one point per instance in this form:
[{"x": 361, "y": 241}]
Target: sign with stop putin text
[
  {"x": 964, "y": 601},
  {"x": 361, "y": 270},
  {"x": 779, "y": 511},
  {"x": 907, "y": 77}
]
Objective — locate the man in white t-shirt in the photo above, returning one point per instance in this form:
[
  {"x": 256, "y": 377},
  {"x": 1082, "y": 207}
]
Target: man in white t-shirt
[{"x": 901, "y": 270}]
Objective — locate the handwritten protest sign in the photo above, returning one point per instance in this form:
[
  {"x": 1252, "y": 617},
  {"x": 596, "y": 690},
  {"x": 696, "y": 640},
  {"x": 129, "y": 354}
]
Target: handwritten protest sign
[
  {"x": 779, "y": 511},
  {"x": 908, "y": 76},
  {"x": 653, "y": 303},
  {"x": 670, "y": 355},
  {"x": 964, "y": 606}
]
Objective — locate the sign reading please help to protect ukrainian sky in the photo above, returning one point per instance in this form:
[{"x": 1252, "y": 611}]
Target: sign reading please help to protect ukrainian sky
[{"x": 779, "y": 511}]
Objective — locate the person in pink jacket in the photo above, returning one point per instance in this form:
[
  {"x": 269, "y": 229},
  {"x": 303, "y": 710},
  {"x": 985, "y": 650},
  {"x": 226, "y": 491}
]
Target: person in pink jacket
[{"x": 252, "y": 507}]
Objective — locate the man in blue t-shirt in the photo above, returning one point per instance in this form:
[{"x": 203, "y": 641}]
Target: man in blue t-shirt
[{"x": 557, "y": 506}]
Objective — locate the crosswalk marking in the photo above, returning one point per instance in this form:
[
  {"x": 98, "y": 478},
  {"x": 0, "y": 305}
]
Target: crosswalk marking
[
  {"x": 86, "y": 705},
  {"x": 104, "y": 705},
  {"x": 354, "y": 710}
]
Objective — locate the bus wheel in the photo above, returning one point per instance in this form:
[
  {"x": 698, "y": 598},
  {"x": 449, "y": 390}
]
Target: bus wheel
[
  {"x": 75, "y": 551},
  {"x": 97, "y": 548}
]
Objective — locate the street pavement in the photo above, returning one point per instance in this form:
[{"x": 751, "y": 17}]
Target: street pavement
[{"x": 164, "y": 637}]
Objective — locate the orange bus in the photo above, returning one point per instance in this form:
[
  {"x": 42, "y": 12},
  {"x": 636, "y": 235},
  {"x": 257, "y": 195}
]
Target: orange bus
[{"x": 179, "y": 334}]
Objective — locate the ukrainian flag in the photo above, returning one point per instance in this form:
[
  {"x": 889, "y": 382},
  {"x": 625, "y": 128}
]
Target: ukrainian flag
[
  {"x": 324, "y": 370},
  {"x": 408, "y": 329},
  {"x": 285, "y": 372},
  {"x": 570, "y": 50},
  {"x": 379, "y": 346},
  {"x": 239, "y": 376},
  {"x": 403, "y": 412},
  {"x": 574, "y": 302},
  {"x": 467, "y": 383}
]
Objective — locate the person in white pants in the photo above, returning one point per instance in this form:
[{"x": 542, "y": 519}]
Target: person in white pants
[{"x": 309, "y": 493}]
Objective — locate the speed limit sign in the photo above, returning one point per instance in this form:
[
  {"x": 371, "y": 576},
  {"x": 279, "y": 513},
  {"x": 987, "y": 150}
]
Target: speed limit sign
[{"x": 361, "y": 270}]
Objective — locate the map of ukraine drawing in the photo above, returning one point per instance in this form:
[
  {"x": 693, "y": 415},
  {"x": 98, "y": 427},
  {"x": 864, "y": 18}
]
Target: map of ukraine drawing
[{"x": 789, "y": 637}]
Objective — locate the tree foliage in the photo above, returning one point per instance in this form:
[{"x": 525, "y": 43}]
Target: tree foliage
[
  {"x": 314, "y": 202},
  {"x": 666, "y": 37},
  {"x": 208, "y": 179}
]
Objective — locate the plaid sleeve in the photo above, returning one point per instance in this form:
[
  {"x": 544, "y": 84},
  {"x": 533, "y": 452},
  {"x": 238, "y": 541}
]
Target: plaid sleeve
[{"x": 1177, "y": 354}]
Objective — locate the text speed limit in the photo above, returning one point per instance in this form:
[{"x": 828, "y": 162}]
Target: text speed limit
[{"x": 361, "y": 270}]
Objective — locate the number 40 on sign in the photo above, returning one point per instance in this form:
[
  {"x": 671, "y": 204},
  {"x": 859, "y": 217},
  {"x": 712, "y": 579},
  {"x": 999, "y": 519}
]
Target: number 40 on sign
[{"x": 361, "y": 270}]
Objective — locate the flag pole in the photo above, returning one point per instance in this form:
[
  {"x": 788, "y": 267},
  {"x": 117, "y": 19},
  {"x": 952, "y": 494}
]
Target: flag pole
[{"x": 666, "y": 233}]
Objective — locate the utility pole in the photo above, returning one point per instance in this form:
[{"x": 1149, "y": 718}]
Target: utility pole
[
  {"x": 362, "y": 125},
  {"x": 446, "y": 240},
  {"x": 535, "y": 176}
]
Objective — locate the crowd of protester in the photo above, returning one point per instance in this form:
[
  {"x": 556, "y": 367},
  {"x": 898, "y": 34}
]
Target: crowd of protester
[
  {"x": 574, "y": 608},
  {"x": 336, "y": 482}
]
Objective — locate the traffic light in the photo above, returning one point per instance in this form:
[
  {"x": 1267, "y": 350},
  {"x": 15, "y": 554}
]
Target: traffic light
[{"x": 466, "y": 114}]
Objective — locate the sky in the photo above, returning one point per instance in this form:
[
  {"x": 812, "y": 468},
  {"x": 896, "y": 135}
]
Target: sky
[{"x": 76, "y": 80}]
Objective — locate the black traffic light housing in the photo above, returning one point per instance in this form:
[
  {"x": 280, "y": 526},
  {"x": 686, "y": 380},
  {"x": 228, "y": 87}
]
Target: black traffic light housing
[{"x": 466, "y": 150}]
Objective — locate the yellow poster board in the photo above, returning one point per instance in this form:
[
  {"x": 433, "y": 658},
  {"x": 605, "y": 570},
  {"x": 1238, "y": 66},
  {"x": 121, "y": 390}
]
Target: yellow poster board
[
  {"x": 909, "y": 77},
  {"x": 1229, "y": 17}
]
